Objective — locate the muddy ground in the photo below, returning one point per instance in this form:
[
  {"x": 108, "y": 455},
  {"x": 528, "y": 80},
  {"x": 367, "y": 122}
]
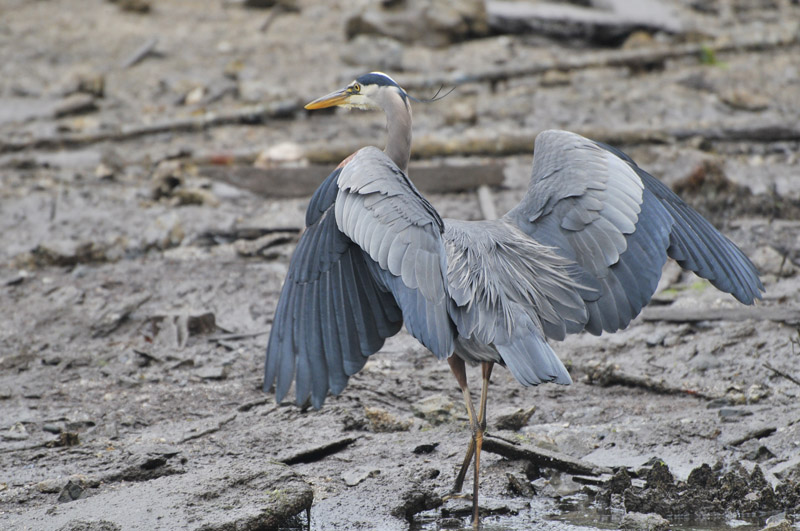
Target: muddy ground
[{"x": 137, "y": 289}]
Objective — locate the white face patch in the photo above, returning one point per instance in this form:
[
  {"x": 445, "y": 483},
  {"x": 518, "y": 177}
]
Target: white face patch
[{"x": 361, "y": 101}]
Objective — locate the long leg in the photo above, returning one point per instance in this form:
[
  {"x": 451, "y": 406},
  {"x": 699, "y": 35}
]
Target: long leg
[
  {"x": 460, "y": 372},
  {"x": 486, "y": 370}
]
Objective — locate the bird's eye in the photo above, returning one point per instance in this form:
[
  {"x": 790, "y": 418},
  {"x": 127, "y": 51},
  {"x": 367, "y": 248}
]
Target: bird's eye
[{"x": 356, "y": 87}]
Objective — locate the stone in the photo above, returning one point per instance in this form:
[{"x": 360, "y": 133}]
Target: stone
[
  {"x": 78, "y": 103},
  {"x": 353, "y": 477},
  {"x": 513, "y": 419},
  {"x": 644, "y": 522},
  {"x": 280, "y": 153},
  {"x": 381, "y": 420},
  {"x": 430, "y": 22},
  {"x": 436, "y": 409},
  {"x": 611, "y": 25}
]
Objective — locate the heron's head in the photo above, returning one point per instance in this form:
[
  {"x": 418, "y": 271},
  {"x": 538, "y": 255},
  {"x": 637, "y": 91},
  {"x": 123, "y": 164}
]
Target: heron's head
[{"x": 374, "y": 91}]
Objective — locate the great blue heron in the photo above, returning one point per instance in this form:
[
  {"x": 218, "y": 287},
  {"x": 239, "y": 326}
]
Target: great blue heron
[{"x": 583, "y": 250}]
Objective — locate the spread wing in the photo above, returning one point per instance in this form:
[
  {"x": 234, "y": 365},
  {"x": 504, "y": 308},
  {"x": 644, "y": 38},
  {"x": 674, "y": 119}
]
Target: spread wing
[
  {"x": 598, "y": 209},
  {"x": 371, "y": 257}
]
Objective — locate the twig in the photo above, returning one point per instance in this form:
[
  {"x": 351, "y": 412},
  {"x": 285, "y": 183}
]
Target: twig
[
  {"x": 258, "y": 114},
  {"x": 273, "y": 14},
  {"x": 607, "y": 375},
  {"x": 544, "y": 458},
  {"x": 782, "y": 373},
  {"x": 141, "y": 52},
  {"x": 229, "y": 337}
]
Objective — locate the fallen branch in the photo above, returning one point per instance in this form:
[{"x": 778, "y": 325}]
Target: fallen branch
[
  {"x": 637, "y": 58},
  {"x": 608, "y": 375},
  {"x": 318, "y": 452},
  {"x": 302, "y": 181},
  {"x": 544, "y": 458},
  {"x": 140, "y": 53},
  {"x": 790, "y": 316},
  {"x": 258, "y": 114},
  {"x": 782, "y": 373}
]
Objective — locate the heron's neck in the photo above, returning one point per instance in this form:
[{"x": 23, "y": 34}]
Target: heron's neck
[{"x": 398, "y": 125}]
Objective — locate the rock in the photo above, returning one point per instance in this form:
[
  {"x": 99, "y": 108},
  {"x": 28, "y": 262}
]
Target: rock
[
  {"x": 513, "y": 419},
  {"x": 415, "y": 501},
  {"x": 756, "y": 393},
  {"x": 352, "y": 478},
  {"x": 381, "y": 420},
  {"x": 78, "y": 103},
  {"x": 520, "y": 486},
  {"x": 166, "y": 177},
  {"x": 644, "y": 522},
  {"x": 556, "y": 78},
  {"x": 113, "y": 317},
  {"x": 279, "y": 154},
  {"x": 778, "y": 522},
  {"x": 436, "y": 409},
  {"x": 147, "y": 462},
  {"x": 744, "y": 101},
  {"x": 789, "y": 470},
  {"x": 133, "y": 6},
  {"x": 194, "y": 196},
  {"x": 72, "y": 491},
  {"x": 214, "y": 372},
  {"x": 428, "y": 22},
  {"x": 425, "y": 448},
  {"x": 610, "y": 25},
  {"x": 224, "y": 495},
  {"x": 659, "y": 477},
  {"x": 16, "y": 432},
  {"x": 68, "y": 253}
]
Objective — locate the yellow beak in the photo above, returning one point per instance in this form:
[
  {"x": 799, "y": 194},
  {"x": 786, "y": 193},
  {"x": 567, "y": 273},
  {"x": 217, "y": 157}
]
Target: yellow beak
[{"x": 334, "y": 98}]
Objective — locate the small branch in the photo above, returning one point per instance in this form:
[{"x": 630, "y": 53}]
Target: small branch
[
  {"x": 782, "y": 373},
  {"x": 258, "y": 114},
  {"x": 608, "y": 375},
  {"x": 141, "y": 52},
  {"x": 232, "y": 337},
  {"x": 544, "y": 458}
]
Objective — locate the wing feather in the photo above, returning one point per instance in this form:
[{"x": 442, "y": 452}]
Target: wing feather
[{"x": 593, "y": 205}]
